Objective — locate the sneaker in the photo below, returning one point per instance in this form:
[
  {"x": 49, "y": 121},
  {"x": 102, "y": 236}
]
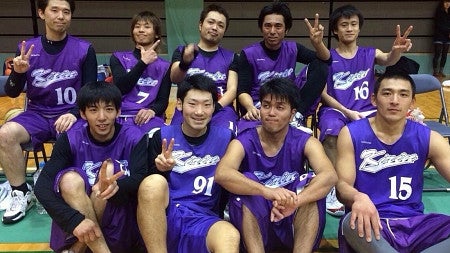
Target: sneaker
[
  {"x": 334, "y": 207},
  {"x": 6, "y": 202},
  {"x": 298, "y": 123},
  {"x": 20, "y": 204}
]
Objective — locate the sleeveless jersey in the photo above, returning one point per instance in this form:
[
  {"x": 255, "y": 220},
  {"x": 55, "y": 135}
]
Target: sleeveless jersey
[
  {"x": 191, "y": 181},
  {"x": 280, "y": 170},
  {"x": 54, "y": 80},
  {"x": 146, "y": 89},
  {"x": 215, "y": 67},
  {"x": 351, "y": 81},
  {"x": 391, "y": 175},
  {"x": 89, "y": 156},
  {"x": 264, "y": 68}
]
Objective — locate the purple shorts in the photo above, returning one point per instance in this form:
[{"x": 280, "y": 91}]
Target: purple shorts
[
  {"x": 119, "y": 224},
  {"x": 187, "y": 228},
  {"x": 40, "y": 128},
  {"x": 225, "y": 117},
  {"x": 413, "y": 234},
  {"x": 275, "y": 235},
  {"x": 331, "y": 121},
  {"x": 155, "y": 122}
]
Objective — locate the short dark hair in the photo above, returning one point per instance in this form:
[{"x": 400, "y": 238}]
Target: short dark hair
[
  {"x": 345, "y": 11},
  {"x": 94, "y": 92},
  {"x": 395, "y": 75},
  {"x": 217, "y": 8},
  {"x": 197, "y": 82},
  {"x": 42, "y": 4},
  {"x": 281, "y": 88},
  {"x": 279, "y": 8},
  {"x": 150, "y": 17}
]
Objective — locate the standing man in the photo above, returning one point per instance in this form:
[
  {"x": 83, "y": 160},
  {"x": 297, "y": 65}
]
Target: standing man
[
  {"x": 142, "y": 76},
  {"x": 210, "y": 59},
  {"x": 277, "y": 204},
  {"x": 350, "y": 82},
  {"x": 182, "y": 214},
  {"x": 277, "y": 57},
  {"x": 89, "y": 206},
  {"x": 54, "y": 66},
  {"x": 380, "y": 168}
]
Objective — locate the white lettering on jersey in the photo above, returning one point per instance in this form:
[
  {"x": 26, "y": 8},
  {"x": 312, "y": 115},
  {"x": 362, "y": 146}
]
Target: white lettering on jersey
[
  {"x": 45, "y": 77},
  {"x": 91, "y": 170},
  {"x": 274, "y": 181},
  {"x": 147, "y": 82},
  {"x": 374, "y": 160},
  {"x": 218, "y": 76},
  {"x": 192, "y": 162},
  {"x": 266, "y": 75},
  {"x": 344, "y": 80}
]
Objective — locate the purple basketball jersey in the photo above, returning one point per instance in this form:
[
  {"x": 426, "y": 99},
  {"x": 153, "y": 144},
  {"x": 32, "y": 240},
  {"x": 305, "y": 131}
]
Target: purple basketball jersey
[
  {"x": 351, "y": 81},
  {"x": 278, "y": 171},
  {"x": 146, "y": 89},
  {"x": 54, "y": 80},
  {"x": 397, "y": 169},
  {"x": 191, "y": 181},
  {"x": 215, "y": 67},
  {"x": 264, "y": 68},
  {"x": 89, "y": 156}
]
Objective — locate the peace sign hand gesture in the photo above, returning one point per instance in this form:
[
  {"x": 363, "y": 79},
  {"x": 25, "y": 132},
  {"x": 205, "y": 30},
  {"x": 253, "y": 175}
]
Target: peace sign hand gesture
[
  {"x": 106, "y": 185},
  {"x": 164, "y": 161},
  {"x": 402, "y": 43},
  {"x": 149, "y": 55},
  {"x": 21, "y": 63},
  {"x": 316, "y": 32}
]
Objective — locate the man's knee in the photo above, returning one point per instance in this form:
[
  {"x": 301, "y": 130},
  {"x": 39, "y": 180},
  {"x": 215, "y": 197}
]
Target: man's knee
[
  {"x": 71, "y": 183},
  {"x": 223, "y": 235},
  {"x": 153, "y": 187},
  {"x": 12, "y": 132}
]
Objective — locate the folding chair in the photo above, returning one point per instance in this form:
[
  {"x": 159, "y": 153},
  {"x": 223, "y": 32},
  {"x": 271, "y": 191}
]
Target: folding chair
[{"x": 427, "y": 83}]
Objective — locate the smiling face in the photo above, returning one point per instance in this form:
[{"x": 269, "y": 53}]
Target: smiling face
[
  {"x": 101, "y": 118},
  {"x": 212, "y": 28},
  {"x": 197, "y": 109},
  {"x": 57, "y": 16},
  {"x": 347, "y": 29},
  {"x": 393, "y": 99},
  {"x": 144, "y": 33},
  {"x": 273, "y": 30}
]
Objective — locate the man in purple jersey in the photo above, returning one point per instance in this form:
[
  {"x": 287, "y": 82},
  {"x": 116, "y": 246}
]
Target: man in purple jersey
[
  {"x": 212, "y": 60},
  {"x": 277, "y": 57},
  {"x": 276, "y": 204},
  {"x": 181, "y": 213},
  {"x": 380, "y": 166},
  {"x": 142, "y": 76},
  {"x": 89, "y": 209},
  {"x": 54, "y": 66},
  {"x": 350, "y": 82}
]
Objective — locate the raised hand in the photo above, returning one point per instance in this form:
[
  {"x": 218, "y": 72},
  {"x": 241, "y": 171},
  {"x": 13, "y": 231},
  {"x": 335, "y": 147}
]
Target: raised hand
[
  {"x": 21, "y": 63},
  {"x": 189, "y": 53},
  {"x": 316, "y": 31},
  {"x": 402, "y": 43},
  {"x": 164, "y": 161},
  {"x": 106, "y": 185},
  {"x": 149, "y": 55}
]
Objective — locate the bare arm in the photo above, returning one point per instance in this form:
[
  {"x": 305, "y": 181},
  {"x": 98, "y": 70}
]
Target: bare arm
[
  {"x": 364, "y": 215},
  {"x": 325, "y": 174},
  {"x": 401, "y": 44},
  {"x": 230, "y": 95},
  {"x": 440, "y": 154},
  {"x": 333, "y": 103}
]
